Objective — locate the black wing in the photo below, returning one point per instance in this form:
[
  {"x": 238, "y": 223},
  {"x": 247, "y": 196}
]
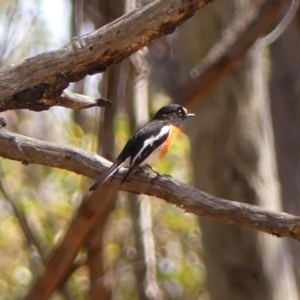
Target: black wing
[
  {"x": 106, "y": 174},
  {"x": 138, "y": 140},
  {"x": 133, "y": 147}
]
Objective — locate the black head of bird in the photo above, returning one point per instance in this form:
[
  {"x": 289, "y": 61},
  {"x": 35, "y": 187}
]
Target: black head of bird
[{"x": 174, "y": 113}]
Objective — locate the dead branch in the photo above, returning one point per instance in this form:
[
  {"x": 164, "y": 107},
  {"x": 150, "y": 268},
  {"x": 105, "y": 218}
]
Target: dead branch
[
  {"x": 224, "y": 57},
  {"x": 45, "y": 76},
  {"x": 28, "y": 150},
  {"x": 75, "y": 101}
]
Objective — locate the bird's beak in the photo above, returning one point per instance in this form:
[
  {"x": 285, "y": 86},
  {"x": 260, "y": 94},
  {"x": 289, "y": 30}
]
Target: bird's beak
[{"x": 189, "y": 115}]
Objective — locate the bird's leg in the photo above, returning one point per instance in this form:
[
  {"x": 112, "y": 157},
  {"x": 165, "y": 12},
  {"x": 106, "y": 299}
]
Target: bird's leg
[
  {"x": 142, "y": 170},
  {"x": 157, "y": 173},
  {"x": 114, "y": 175},
  {"x": 130, "y": 170}
]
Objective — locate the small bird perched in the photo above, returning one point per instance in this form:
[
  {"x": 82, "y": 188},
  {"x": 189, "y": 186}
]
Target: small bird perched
[{"x": 148, "y": 144}]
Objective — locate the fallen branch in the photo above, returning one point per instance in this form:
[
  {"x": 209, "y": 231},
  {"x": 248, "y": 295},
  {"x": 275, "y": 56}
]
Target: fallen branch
[
  {"x": 45, "y": 76},
  {"x": 28, "y": 150}
]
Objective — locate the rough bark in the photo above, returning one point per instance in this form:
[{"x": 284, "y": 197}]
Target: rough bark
[
  {"x": 45, "y": 76},
  {"x": 28, "y": 150},
  {"x": 232, "y": 155}
]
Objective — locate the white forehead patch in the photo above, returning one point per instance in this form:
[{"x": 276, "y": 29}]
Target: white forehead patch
[{"x": 181, "y": 111}]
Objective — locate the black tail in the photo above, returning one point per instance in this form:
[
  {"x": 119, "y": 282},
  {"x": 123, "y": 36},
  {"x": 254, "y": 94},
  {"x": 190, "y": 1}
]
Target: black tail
[
  {"x": 114, "y": 167},
  {"x": 130, "y": 170}
]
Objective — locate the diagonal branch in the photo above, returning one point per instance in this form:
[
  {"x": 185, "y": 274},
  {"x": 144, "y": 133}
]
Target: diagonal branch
[
  {"x": 28, "y": 150},
  {"x": 60, "y": 262},
  {"x": 46, "y": 75},
  {"x": 224, "y": 57},
  {"x": 282, "y": 26}
]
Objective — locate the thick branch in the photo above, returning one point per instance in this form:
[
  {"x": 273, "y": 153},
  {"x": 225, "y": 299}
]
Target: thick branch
[
  {"x": 45, "y": 76},
  {"x": 28, "y": 150}
]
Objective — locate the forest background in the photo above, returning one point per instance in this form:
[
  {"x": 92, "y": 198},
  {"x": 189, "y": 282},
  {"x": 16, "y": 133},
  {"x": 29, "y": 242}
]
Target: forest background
[{"x": 235, "y": 64}]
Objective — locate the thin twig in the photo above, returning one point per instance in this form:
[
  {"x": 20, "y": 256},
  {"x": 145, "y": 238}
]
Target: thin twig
[
  {"x": 281, "y": 27},
  {"x": 75, "y": 101}
]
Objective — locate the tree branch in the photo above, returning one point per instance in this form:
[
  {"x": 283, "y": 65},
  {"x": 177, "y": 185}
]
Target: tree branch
[
  {"x": 224, "y": 57},
  {"x": 28, "y": 150},
  {"x": 58, "y": 266},
  {"x": 282, "y": 26},
  {"x": 45, "y": 76},
  {"x": 75, "y": 101}
]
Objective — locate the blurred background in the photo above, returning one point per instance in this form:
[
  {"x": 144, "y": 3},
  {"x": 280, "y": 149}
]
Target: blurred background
[{"x": 243, "y": 145}]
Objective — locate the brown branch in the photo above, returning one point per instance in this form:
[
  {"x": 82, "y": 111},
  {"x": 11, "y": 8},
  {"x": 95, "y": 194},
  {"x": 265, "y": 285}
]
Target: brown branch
[
  {"x": 45, "y": 76},
  {"x": 60, "y": 262},
  {"x": 282, "y": 26},
  {"x": 28, "y": 150},
  {"x": 75, "y": 101},
  {"x": 224, "y": 57}
]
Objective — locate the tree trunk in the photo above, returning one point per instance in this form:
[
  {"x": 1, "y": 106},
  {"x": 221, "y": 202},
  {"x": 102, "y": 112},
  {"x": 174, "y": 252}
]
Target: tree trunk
[
  {"x": 233, "y": 157},
  {"x": 285, "y": 105},
  {"x": 101, "y": 13}
]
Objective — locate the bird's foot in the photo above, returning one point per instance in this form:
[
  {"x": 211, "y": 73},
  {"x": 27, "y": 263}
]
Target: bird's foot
[
  {"x": 141, "y": 170},
  {"x": 153, "y": 170}
]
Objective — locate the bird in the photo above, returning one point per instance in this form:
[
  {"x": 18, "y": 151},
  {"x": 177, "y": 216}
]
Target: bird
[{"x": 149, "y": 143}]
